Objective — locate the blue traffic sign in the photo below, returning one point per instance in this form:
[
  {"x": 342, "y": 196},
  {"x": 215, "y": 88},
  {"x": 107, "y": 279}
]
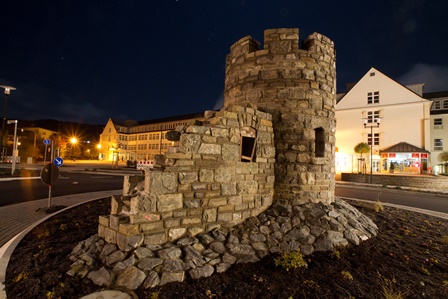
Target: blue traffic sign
[
  {"x": 47, "y": 141},
  {"x": 58, "y": 161}
]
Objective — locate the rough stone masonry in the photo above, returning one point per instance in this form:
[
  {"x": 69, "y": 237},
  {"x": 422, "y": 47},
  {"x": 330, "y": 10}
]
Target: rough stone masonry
[{"x": 255, "y": 178}]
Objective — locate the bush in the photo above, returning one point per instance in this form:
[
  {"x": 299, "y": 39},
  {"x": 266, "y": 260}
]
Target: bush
[{"x": 290, "y": 260}]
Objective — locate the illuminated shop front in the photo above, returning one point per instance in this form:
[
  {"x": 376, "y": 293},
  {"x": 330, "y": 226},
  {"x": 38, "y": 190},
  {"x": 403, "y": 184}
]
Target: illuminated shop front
[{"x": 404, "y": 158}]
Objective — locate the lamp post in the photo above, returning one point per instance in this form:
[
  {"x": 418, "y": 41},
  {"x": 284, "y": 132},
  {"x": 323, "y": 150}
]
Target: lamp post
[
  {"x": 375, "y": 124},
  {"x": 7, "y": 93},
  {"x": 73, "y": 141},
  {"x": 14, "y": 147},
  {"x": 29, "y": 130}
]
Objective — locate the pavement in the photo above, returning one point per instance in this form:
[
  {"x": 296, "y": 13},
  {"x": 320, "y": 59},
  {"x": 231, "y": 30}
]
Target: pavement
[{"x": 17, "y": 220}]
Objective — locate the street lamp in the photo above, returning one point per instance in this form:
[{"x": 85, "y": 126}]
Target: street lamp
[
  {"x": 376, "y": 124},
  {"x": 73, "y": 141},
  {"x": 35, "y": 135},
  {"x": 7, "y": 93},
  {"x": 14, "y": 146}
]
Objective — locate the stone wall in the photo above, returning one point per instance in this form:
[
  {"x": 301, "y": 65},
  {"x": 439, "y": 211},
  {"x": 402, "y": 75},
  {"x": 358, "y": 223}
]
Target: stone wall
[
  {"x": 206, "y": 182},
  {"x": 412, "y": 181},
  {"x": 298, "y": 87}
]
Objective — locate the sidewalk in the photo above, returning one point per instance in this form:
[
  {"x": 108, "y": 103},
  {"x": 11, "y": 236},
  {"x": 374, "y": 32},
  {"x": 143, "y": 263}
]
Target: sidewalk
[{"x": 17, "y": 220}]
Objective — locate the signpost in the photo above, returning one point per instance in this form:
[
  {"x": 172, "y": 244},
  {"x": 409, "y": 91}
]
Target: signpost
[
  {"x": 49, "y": 175},
  {"x": 46, "y": 142},
  {"x": 58, "y": 161}
]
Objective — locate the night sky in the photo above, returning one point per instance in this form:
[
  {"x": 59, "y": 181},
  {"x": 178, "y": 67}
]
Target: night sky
[{"x": 87, "y": 61}]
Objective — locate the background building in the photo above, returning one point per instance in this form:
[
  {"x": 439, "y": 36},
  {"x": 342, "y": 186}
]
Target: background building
[
  {"x": 139, "y": 140},
  {"x": 383, "y": 113},
  {"x": 439, "y": 127}
]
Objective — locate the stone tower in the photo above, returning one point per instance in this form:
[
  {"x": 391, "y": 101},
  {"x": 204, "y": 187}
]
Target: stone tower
[{"x": 298, "y": 87}]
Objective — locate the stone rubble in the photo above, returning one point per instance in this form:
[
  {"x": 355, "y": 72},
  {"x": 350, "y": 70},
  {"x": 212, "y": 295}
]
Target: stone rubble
[{"x": 282, "y": 228}]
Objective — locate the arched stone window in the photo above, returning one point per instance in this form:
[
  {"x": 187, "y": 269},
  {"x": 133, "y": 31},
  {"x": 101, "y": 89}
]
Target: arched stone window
[{"x": 319, "y": 142}]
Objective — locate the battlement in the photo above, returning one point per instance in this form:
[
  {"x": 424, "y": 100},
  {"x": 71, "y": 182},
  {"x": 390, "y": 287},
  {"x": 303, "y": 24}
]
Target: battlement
[{"x": 278, "y": 41}]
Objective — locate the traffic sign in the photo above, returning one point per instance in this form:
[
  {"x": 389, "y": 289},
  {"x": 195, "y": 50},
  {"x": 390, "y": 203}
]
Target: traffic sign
[
  {"x": 47, "y": 141},
  {"x": 49, "y": 174},
  {"x": 58, "y": 161}
]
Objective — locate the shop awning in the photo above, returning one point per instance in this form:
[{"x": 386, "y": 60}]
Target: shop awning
[{"x": 403, "y": 147}]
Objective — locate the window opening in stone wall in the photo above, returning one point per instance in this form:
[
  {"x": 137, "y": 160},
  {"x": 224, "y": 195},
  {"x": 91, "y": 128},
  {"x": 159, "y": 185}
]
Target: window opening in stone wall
[
  {"x": 248, "y": 149},
  {"x": 319, "y": 142}
]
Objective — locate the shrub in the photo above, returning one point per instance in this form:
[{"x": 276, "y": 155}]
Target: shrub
[{"x": 291, "y": 260}]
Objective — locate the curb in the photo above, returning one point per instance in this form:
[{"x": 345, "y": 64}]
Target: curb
[{"x": 7, "y": 250}]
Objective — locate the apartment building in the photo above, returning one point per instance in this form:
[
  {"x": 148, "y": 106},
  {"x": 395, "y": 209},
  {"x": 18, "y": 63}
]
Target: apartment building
[
  {"x": 139, "y": 140},
  {"x": 439, "y": 127},
  {"x": 394, "y": 120}
]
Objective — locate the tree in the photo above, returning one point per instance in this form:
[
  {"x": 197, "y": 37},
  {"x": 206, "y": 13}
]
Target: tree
[
  {"x": 443, "y": 157},
  {"x": 362, "y": 148}
]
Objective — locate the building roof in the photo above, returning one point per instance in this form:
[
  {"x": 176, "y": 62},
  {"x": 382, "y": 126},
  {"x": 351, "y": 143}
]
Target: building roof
[
  {"x": 133, "y": 123},
  {"x": 403, "y": 147},
  {"x": 435, "y": 94}
]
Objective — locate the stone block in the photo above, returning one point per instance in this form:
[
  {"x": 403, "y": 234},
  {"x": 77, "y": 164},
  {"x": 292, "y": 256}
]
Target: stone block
[
  {"x": 195, "y": 230},
  {"x": 103, "y": 220},
  {"x": 129, "y": 229},
  {"x": 169, "y": 202},
  {"x": 152, "y": 227},
  {"x": 225, "y": 217},
  {"x": 226, "y": 208},
  {"x": 216, "y": 202},
  {"x": 110, "y": 235},
  {"x": 101, "y": 229},
  {"x": 155, "y": 239},
  {"x": 190, "y": 220},
  {"x": 209, "y": 215},
  {"x": 170, "y": 223},
  {"x": 127, "y": 243},
  {"x": 248, "y": 187},
  {"x": 115, "y": 205},
  {"x": 231, "y": 152},
  {"x": 206, "y": 175},
  {"x": 176, "y": 233},
  {"x": 168, "y": 277},
  {"x": 228, "y": 188},
  {"x": 116, "y": 220},
  {"x": 209, "y": 149},
  {"x": 177, "y": 156},
  {"x": 188, "y": 177},
  {"x": 161, "y": 182}
]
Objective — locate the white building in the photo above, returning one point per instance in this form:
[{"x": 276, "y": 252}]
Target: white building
[
  {"x": 395, "y": 117},
  {"x": 439, "y": 127}
]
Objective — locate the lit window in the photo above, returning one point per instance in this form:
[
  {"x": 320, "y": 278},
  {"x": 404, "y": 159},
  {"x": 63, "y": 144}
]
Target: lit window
[
  {"x": 445, "y": 104},
  {"x": 438, "y": 144},
  {"x": 373, "y": 97},
  {"x": 376, "y": 139},
  {"x": 436, "y": 105},
  {"x": 438, "y": 123},
  {"x": 372, "y": 115}
]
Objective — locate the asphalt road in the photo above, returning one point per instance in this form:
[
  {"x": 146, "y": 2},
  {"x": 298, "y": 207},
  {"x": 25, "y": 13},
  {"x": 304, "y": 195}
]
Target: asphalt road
[
  {"x": 427, "y": 201},
  {"x": 15, "y": 191}
]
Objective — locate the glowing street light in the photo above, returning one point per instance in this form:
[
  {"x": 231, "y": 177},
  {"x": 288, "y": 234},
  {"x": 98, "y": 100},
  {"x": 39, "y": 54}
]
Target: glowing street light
[
  {"x": 73, "y": 141},
  {"x": 7, "y": 93}
]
